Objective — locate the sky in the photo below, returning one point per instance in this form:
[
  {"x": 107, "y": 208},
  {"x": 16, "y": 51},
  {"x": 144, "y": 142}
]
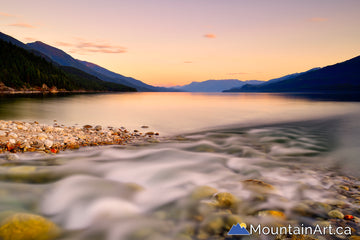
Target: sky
[{"x": 175, "y": 42}]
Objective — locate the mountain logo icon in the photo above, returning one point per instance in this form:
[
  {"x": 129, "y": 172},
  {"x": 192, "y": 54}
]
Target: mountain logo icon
[{"x": 238, "y": 229}]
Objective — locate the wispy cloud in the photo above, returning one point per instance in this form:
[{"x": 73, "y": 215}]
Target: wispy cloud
[
  {"x": 21, "y": 25},
  {"x": 86, "y": 47},
  {"x": 318, "y": 19},
  {"x": 210, "y": 35},
  {"x": 188, "y": 62},
  {"x": 237, "y": 73},
  {"x": 30, "y": 39},
  {"x": 2, "y": 14}
]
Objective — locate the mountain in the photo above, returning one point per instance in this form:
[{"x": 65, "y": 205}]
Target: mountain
[
  {"x": 343, "y": 76},
  {"x": 21, "y": 69},
  {"x": 64, "y": 59},
  {"x": 286, "y": 77},
  {"x": 129, "y": 80},
  {"x": 12, "y": 40},
  {"x": 215, "y": 85}
]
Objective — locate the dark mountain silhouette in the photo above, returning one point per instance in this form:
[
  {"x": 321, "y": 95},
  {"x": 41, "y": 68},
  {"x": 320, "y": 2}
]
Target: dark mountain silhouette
[
  {"x": 286, "y": 77},
  {"x": 130, "y": 81},
  {"x": 12, "y": 40},
  {"x": 21, "y": 69},
  {"x": 215, "y": 85},
  {"x": 343, "y": 76},
  {"x": 64, "y": 59}
]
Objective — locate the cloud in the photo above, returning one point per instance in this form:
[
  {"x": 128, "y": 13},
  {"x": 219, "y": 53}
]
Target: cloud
[
  {"x": 210, "y": 35},
  {"x": 188, "y": 62},
  {"x": 2, "y": 14},
  {"x": 86, "y": 47},
  {"x": 318, "y": 19},
  {"x": 30, "y": 39},
  {"x": 22, "y": 25}
]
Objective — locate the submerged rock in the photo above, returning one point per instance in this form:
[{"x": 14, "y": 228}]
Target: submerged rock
[
  {"x": 336, "y": 214},
  {"x": 202, "y": 192},
  {"x": 26, "y": 226},
  {"x": 225, "y": 200}
]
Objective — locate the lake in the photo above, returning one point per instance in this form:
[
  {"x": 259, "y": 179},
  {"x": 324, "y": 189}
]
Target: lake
[{"x": 224, "y": 158}]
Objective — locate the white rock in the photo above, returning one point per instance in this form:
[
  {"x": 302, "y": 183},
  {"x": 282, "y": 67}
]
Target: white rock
[
  {"x": 2, "y": 133},
  {"x": 42, "y": 136},
  {"x": 12, "y": 141},
  {"x": 48, "y": 143},
  {"x": 13, "y": 135}
]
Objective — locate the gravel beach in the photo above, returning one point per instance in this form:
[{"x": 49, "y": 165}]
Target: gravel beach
[{"x": 19, "y": 136}]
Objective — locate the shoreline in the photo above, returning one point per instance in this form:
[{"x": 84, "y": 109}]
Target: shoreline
[{"x": 20, "y": 136}]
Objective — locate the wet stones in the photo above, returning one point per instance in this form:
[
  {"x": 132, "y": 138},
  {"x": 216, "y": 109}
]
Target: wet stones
[
  {"x": 336, "y": 214},
  {"x": 20, "y": 226},
  {"x": 225, "y": 200},
  {"x": 31, "y": 137}
]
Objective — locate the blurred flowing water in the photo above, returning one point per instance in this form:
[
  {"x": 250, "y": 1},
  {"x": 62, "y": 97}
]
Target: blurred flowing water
[{"x": 298, "y": 153}]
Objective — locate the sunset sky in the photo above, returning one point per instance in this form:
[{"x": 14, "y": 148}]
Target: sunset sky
[{"x": 175, "y": 42}]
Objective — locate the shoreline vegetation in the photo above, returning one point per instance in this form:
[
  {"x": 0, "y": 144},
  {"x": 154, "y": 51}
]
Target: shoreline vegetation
[{"x": 19, "y": 136}]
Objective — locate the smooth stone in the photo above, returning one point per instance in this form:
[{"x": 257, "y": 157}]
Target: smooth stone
[
  {"x": 98, "y": 128},
  {"x": 12, "y": 135},
  {"x": 48, "y": 143},
  {"x": 272, "y": 213},
  {"x": 336, "y": 214},
  {"x": 2, "y": 133},
  {"x": 225, "y": 200},
  {"x": 87, "y": 126},
  {"x": 22, "y": 170},
  {"x": 26, "y": 226},
  {"x": 144, "y": 126},
  {"x": 202, "y": 192},
  {"x": 257, "y": 184}
]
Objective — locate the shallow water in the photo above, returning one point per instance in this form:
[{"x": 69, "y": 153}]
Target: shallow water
[{"x": 151, "y": 190}]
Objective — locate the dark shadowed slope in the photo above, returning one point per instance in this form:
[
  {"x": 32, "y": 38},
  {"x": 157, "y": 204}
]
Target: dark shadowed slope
[
  {"x": 22, "y": 69},
  {"x": 343, "y": 76}
]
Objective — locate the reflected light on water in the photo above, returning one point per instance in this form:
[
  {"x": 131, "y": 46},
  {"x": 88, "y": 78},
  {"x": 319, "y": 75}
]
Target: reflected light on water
[{"x": 169, "y": 113}]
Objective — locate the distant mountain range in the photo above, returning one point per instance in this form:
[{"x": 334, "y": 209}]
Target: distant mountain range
[
  {"x": 340, "y": 77},
  {"x": 215, "y": 85}
]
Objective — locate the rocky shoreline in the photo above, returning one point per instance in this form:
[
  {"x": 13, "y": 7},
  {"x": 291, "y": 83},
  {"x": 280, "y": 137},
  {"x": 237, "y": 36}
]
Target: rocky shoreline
[{"x": 18, "y": 136}]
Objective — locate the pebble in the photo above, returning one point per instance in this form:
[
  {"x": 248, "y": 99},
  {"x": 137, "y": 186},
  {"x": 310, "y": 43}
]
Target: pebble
[
  {"x": 12, "y": 135},
  {"x": 48, "y": 143},
  {"x": 26, "y": 226},
  {"x": 336, "y": 214}
]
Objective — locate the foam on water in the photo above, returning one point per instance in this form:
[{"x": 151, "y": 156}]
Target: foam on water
[{"x": 115, "y": 191}]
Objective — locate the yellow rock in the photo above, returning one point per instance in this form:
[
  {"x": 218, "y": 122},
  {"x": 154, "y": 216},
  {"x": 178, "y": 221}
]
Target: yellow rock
[
  {"x": 258, "y": 185},
  {"x": 203, "y": 192},
  {"x": 272, "y": 213},
  {"x": 22, "y": 170},
  {"x": 26, "y": 226},
  {"x": 225, "y": 200}
]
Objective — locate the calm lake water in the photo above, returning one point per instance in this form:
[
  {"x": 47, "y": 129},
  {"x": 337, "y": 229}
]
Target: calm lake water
[
  {"x": 283, "y": 160},
  {"x": 171, "y": 113}
]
